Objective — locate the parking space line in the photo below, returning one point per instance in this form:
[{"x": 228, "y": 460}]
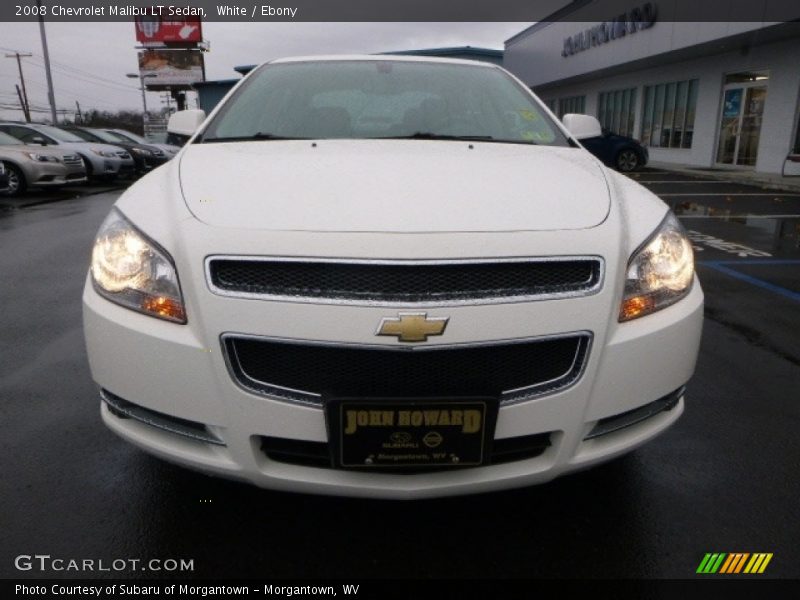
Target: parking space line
[
  {"x": 791, "y": 195},
  {"x": 738, "y": 216},
  {"x": 720, "y": 265},
  {"x": 758, "y": 261},
  {"x": 684, "y": 181}
]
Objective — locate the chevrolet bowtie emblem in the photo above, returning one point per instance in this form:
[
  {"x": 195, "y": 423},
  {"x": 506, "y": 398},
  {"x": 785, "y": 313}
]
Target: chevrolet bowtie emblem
[{"x": 412, "y": 327}]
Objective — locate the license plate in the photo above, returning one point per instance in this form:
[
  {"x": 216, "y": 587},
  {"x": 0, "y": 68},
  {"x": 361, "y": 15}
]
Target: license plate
[{"x": 411, "y": 433}]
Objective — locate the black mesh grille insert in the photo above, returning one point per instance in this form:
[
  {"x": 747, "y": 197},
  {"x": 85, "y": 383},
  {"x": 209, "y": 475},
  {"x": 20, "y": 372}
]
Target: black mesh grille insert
[
  {"x": 306, "y": 372},
  {"x": 399, "y": 282}
]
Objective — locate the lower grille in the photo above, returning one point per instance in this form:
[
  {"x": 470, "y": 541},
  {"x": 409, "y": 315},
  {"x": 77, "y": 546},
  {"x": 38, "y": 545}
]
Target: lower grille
[
  {"x": 307, "y": 372},
  {"x": 128, "y": 410},
  {"x": 637, "y": 415},
  {"x": 318, "y": 454}
]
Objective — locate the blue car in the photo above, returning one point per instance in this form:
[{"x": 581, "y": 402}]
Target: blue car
[{"x": 619, "y": 152}]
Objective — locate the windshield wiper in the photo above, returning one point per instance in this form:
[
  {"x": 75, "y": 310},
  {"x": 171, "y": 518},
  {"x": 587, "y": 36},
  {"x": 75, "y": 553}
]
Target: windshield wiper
[
  {"x": 428, "y": 135},
  {"x": 256, "y": 137}
]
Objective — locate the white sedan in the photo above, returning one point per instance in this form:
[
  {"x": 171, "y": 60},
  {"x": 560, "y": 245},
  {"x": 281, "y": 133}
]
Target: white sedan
[{"x": 389, "y": 277}]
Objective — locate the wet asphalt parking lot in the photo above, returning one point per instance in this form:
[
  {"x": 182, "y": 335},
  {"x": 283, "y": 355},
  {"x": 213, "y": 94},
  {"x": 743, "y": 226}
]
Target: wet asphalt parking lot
[{"x": 723, "y": 479}]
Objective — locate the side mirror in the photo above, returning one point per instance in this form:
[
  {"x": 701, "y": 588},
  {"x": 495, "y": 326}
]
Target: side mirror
[
  {"x": 186, "y": 122},
  {"x": 582, "y": 126}
]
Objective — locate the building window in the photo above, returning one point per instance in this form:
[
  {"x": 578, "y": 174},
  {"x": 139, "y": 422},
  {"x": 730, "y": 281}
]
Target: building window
[
  {"x": 796, "y": 148},
  {"x": 573, "y": 104},
  {"x": 668, "y": 114},
  {"x": 616, "y": 110}
]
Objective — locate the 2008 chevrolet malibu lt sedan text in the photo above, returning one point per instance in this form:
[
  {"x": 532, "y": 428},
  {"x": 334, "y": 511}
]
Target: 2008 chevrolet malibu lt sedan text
[{"x": 389, "y": 277}]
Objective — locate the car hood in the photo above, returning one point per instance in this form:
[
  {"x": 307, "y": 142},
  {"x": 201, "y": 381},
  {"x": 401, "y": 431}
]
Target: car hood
[
  {"x": 29, "y": 148},
  {"x": 402, "y": 186},
  {"x": 88, "y": 146}
]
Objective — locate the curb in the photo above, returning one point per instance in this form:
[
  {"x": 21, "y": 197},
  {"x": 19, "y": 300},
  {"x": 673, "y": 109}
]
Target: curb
[{"x": 764, "y": 181}]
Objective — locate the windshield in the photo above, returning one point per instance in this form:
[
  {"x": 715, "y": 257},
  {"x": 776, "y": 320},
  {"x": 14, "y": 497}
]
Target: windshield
[
  {"x": 128, "y": 136},
  {"x": 59, "y": 134},
  {"x": 85, "y": 135},
  {"x": 107, "y": 136},
  {"x": 382, "y": 99},
  {"x": 7, "y": 140}
]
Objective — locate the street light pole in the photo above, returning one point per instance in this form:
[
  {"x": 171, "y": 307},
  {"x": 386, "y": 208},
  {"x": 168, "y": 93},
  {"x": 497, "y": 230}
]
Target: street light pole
[
  {"x": 140, "y": 77},
  {"x": 51, "y": 96}
]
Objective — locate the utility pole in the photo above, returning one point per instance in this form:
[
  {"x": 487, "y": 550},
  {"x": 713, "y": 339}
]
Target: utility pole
[
  {"x": 26, "y": 109},
  {"x": 80, "y": 116},
  {"x": 51, "y": 96}
]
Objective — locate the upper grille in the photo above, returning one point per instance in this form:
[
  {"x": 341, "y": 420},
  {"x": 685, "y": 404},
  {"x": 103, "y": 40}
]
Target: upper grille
[
  {"x": 72, "y": 159},
  {"x": 307, "y": 372},
  {"x": 123, "y": 154},
  {"x": 404, "y": 282}
]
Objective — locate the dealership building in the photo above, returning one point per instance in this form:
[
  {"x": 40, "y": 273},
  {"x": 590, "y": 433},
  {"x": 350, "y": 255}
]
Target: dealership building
[{"x": 702, "y": 94}]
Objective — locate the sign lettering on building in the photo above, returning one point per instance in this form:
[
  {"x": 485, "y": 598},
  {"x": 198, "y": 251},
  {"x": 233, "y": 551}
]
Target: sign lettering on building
[{"x": 627, "y": 23}]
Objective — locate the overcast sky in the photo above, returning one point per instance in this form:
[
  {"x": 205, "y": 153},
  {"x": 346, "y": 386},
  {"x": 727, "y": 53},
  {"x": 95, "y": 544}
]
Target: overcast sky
[{"x": 90, "y": 60}]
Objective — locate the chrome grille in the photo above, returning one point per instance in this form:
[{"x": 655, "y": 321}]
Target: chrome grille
[
  {"x": 307, "y": 372},
  {"x": 398, "y": 282},
  {"x": 72, "y": 160},
  {"x": 123, "y": 154}
]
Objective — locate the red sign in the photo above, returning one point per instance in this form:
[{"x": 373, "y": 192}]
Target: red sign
[{"x": 155, "y": 31}]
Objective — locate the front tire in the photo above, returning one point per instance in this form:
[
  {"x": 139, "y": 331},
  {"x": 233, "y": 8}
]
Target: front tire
[
  {"x": 16, "y": 181},
  {"x": 87, "y": 164},
  {"x": 627, "y": 160}
]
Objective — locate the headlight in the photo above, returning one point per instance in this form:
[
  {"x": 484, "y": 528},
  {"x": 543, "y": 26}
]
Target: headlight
[
  {"x": 660, "y": 273},
  {"x": 133, "y": 271},
  {"x": 41, "y": 157},
  {"x": 106, "y": 153},
  {"x": 142, "y": 151}
]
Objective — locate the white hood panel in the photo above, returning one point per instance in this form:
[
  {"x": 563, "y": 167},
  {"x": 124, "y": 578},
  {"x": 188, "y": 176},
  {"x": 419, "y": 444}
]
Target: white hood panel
[{"x": 402, "y": 186}]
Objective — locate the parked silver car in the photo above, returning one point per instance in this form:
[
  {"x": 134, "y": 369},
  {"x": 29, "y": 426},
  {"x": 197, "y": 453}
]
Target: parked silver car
[
  {"x": 36, "y": 166},
  {"x": 100, "y": 160}
]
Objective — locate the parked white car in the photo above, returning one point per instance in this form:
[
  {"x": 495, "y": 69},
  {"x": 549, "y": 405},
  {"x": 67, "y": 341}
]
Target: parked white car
[{"x": 389, "y": 277}]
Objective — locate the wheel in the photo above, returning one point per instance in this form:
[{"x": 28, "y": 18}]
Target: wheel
[
  {"x": 87, "y": 164},
  {"x": 16, "y": 181},
  {"x": 627, "y": 161}
]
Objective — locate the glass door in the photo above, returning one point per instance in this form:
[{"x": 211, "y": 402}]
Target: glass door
[{"x": 740, "y": 124}]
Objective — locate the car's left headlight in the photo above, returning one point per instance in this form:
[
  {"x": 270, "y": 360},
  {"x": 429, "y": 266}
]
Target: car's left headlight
[
  {"x": 142, "y": 151},
  {"x": 132, "y": 270},
  {"x": 660, "y": 272},
  {"x": 105, "y": 153}
]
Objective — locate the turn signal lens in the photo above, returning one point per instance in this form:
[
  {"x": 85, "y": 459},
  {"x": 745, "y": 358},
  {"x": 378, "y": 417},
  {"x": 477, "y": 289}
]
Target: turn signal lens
[
  {"x": 660, "y": 273},
  {"x": 133, "y": 271}
]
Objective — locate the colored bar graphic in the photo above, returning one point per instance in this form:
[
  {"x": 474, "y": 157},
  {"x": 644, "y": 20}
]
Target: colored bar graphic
[
  {"x": 711, "y": 563},
  {"x": 733, "y": 563}
]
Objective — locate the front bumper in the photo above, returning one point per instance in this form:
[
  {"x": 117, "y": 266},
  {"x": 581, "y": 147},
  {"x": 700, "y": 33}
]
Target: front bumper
[
  {"x": 180, "y": 371},
  {"x": 45, "y": 174}
]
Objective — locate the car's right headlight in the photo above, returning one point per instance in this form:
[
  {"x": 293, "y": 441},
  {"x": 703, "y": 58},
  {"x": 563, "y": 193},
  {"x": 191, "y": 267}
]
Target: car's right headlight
[
  {"x": 41, "y": 157},
  {"x": 660, "y": 272},
  {"x": 133, "y": 271}
]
